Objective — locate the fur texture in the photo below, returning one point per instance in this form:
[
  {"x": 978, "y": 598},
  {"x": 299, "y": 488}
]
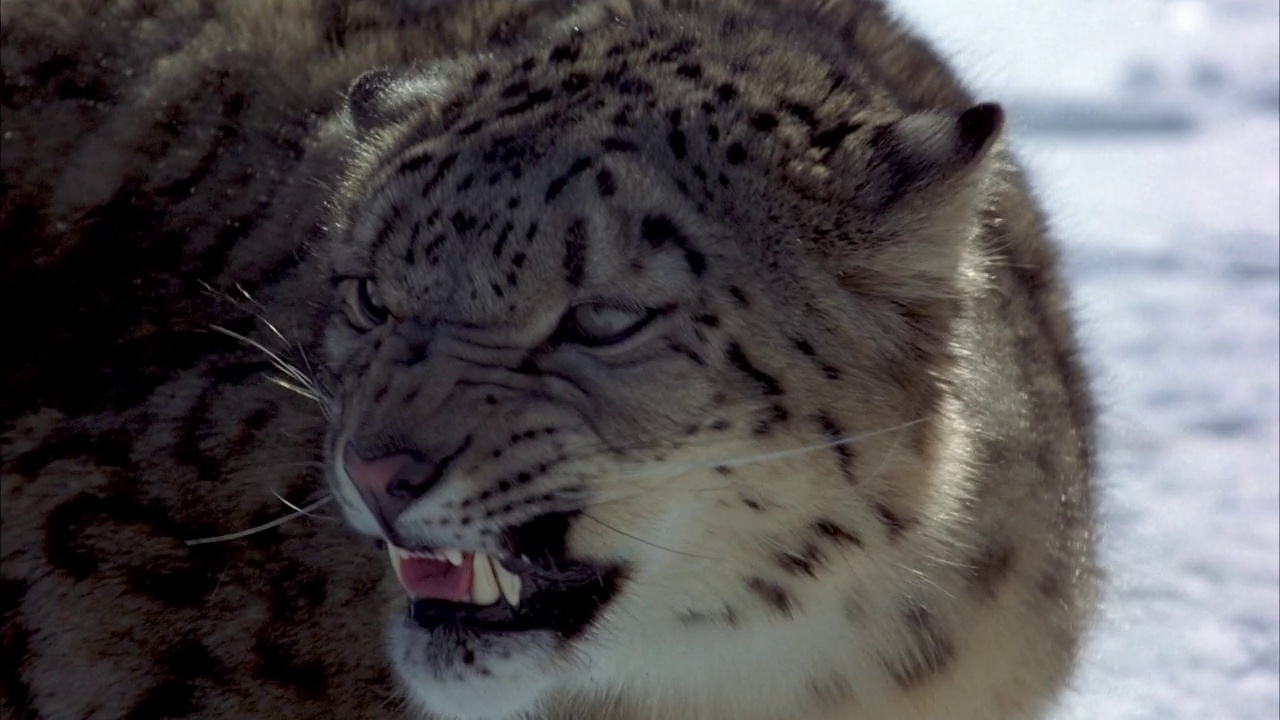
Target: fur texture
[{"x": 743, "y": 300}]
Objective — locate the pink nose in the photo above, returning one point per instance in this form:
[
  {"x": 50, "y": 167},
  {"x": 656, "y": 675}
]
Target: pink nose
[{"x": 388, "y": 485}]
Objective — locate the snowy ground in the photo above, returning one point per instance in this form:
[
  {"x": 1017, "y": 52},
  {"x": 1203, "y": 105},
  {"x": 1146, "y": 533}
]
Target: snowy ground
[{"x": 1152, "y": 131}]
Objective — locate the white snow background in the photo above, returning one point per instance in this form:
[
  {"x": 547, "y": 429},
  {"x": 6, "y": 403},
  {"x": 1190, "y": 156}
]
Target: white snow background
[{"x": 1151, "y": 131}]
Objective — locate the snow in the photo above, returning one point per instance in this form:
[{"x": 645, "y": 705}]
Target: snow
[{"x": 1151, "y": 131}]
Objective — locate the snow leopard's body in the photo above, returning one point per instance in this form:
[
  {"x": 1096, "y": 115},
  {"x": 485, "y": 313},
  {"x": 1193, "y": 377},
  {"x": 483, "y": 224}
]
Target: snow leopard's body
[{"x": 735, "y": 318}]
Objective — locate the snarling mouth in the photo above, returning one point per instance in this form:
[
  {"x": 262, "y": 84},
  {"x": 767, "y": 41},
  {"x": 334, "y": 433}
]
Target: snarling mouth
[{"x": 501, "y": 593}]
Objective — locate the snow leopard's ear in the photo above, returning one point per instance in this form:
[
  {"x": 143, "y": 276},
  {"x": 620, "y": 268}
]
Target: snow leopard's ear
[
  {"x": 920, "y": 187},
  {"x": 385, "y": 96},
  {"x": 928, "y": 150}
]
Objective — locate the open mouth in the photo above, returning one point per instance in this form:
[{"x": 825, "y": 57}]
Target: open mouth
[{"x": 501, "y": 593}]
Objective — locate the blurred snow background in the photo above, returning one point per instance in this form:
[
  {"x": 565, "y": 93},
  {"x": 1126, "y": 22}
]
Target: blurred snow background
[{"x": 1151, "y": 130}]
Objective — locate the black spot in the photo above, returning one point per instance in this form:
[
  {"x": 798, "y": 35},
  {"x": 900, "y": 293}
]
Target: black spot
[
  {"x": 804, "y": 347},
  {"x": 520, "y": 87},
  {"x": 691, "y": 354},
  {"x": 989, "y": 569},
  {"x": 169, "y": 699},
  {"x": 532, "y": 100},
  {"x": 779, "y": 413},
  {"x": 727, "y": 92},
  {"x": 678, "y": 144},
  {"x": 738, "y": 296},
  {"x": 605, "y": 183},
  {"x": 691, "y": 71},
  {"x": 558, "y": 184},
  {"x": 736, "y": 154},
  {"x": 835, "y": 532},
  {"x": 893, "y": 523},
  {"x": 471, "y": 128},
  {"x": 575, "y": 252},
  {"x": 931, "y": 650},
  {"x": 462, "y": 222},
  {"x": 836, "y": 435},
  {"x": 801, "y": 562},
  {"x": 634, "y": 86},
  {"x": 801, "y": 112},
  {"x": 617, "y": 144},
  {"x": 564, "y": 52},
  {"x": 773, "y": 595},
  {"x": 192, "y": 660},
  {"x": 503, "y": 235},
  {"x": 767, "y": 382},
  {"x": 673, "y": 52},
  {"x": 445, "y": 165},
  {"x": 660, "y": 229},
  {"x": 753, "y": 504},
  {"x": 575, "y": 83},
  {"x": 764, "y": 121},
  {"x": 434, "y": 243},
  {"x": 831, "y": 138}
]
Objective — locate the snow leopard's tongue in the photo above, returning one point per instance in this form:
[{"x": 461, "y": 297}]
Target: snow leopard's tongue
[{"x": 428, "y": 578}]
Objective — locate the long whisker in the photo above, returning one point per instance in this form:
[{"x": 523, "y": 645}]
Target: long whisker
[
  {"x": 666, "y": 472},
  {"x": 309, "y": 378},
  {"x": 275, "y": 358},
  {"x": 642, "y": 540},
  {"x": 301, "y": 510},
  {"x": 672, "y": 443},
  {"x": 308, "y": 394},
  {"x": 304, "y": 510}
]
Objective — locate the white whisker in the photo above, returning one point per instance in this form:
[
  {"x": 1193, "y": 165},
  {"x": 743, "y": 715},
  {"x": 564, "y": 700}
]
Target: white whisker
[
  {"x": 297, "y": 381},
  {"x": 304, "y": 510},
  {"x": 660, "y": 476},
  {"x": 646, "y": 542},
  {"x": 669, "y": 471}
]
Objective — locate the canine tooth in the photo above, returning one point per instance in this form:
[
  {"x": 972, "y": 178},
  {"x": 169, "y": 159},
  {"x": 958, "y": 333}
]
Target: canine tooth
[
  {"x": 509, "y": 582},
  {"x": 396, "y": 554},
  {"x": 453, "y": 555},
  {"x": 484, "y": 587}
]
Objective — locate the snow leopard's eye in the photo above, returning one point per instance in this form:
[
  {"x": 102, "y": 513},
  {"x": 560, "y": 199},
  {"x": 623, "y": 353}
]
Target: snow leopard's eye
[
  {"x": 362, "y": 303},
  {"x": 597, "y": 324}
]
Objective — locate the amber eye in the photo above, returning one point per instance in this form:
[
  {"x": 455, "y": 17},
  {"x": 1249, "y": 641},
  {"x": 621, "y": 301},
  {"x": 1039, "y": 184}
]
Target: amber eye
[
  {"x": 362, "y": 302},
  {"x": 600, "y": 324}
]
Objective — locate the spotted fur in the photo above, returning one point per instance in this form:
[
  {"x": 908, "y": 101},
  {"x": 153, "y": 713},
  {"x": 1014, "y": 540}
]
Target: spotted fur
[{"x": 837, "y": 454}]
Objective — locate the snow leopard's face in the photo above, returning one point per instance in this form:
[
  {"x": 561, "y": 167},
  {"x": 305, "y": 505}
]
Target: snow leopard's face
[{"x": 605, "y": 390}]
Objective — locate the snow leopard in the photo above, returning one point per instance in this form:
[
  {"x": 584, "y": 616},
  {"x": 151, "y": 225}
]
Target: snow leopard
[{"x": 634, "y": 359}]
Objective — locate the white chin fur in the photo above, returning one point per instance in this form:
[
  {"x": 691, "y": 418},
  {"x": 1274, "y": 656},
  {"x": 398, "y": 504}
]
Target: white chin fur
[{"x": 506, "y": 679}]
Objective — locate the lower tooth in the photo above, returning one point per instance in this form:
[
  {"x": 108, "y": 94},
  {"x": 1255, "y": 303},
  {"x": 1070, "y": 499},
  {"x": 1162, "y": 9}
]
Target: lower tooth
[{"x": 509, "y": 583}]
